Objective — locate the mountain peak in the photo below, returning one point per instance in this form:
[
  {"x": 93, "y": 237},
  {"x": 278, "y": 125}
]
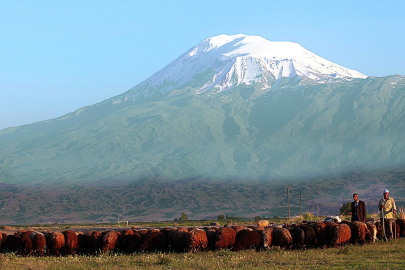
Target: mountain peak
[
  {"x": 222, "y": 62},
  {"x": 216, "y": 42}
]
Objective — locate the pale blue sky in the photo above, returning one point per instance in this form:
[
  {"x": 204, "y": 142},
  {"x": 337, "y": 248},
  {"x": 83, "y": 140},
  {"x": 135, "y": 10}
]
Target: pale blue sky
[{"x": 56, "y": 57}]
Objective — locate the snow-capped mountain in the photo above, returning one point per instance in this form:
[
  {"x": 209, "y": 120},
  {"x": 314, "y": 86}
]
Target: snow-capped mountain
[
  {"x": 223, "y": 62},
  {"x": 162, "y": 133}
]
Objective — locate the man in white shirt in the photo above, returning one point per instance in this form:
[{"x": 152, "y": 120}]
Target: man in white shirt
[{"x": 388, "y": 210}]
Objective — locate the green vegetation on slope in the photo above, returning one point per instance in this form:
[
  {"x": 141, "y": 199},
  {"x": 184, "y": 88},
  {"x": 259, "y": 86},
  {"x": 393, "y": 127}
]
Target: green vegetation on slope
[{"x": 289, "y": 131}]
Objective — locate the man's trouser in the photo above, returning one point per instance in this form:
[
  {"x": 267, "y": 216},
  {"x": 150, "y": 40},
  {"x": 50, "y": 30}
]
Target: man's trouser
[{"x": 388, "y": 226}]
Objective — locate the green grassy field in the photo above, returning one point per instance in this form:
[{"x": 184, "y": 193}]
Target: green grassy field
[{"x": 371, "y": 256}]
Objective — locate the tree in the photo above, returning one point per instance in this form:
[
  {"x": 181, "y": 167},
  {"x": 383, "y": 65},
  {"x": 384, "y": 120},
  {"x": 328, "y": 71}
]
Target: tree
[
  {"x": 258, "y": 218},
  {"x": 221, "y": 217},
  {"x": 184, "y": 216},
  {"x": 345, "y": 209}
]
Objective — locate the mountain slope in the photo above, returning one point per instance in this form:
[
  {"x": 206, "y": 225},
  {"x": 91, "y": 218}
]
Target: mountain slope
[{"x": 290, "y": 131}]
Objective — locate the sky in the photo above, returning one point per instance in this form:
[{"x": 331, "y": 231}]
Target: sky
[{"x": 58, "y": 56}]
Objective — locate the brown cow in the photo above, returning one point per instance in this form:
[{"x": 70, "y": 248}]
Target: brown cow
[
  {"x": 110, "y": 241},
  {"x": 282, "y": 237},
  {"x": 298, "y": 236},
  {"x": 401, "y": 224},
  {"x": 247, "y": 239},
  {"x": 359, "y": 232},
  {"x": 4, "y": 241},
  {"x": 196, "y": 239},
  {"x": 320, "y": 232},
  {"x": 154, "y": 241},
  {"x": 341, "y": 235},
  {"x": 26, "y": 242},
  {"x": 266, "y": 237},
  {"x": 14, "y": 243},
  {"x": 70, "y": 242},
  {"x": 373, "y": 232},
  {"x": 211, "y": 232},
  {"x": 95, "y": 241},
  {"x": 57, "y": 240},
  {"x": 83, "y": 243},
  {"x": 177, "y": 239},
  {"x": 225, "y": 238},
  {"x": 38, "y": 243},
  {"x": 130, "y": 241},
  {"x": 310, "y": 236}
]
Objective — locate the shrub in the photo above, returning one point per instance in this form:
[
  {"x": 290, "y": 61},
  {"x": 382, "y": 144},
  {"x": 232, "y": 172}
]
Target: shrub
[
  {"x": 345, "y": 209},
  {"x": 184, "y": 216}
]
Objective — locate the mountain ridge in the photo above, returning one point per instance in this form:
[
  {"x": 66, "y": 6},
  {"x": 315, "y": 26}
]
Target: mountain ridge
[{"x": 228, "y": 61}]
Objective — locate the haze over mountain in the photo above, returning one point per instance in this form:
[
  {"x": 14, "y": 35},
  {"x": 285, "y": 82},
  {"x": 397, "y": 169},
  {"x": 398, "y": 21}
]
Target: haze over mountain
[{"x": 232, "y": 107}]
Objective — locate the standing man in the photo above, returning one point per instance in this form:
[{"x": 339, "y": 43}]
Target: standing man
[
  {"x": 388, "y": 210},
  {"x": 358, "y": 210}
]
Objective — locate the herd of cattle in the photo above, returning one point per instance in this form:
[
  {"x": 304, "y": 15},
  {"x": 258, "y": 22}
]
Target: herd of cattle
[{"x": 190, "y": 239}]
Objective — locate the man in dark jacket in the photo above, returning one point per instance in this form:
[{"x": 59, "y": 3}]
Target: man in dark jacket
[{"x": 358, "y": 210}]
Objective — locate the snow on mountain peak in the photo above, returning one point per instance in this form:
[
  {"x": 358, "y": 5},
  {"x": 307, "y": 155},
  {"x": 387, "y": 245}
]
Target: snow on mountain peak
[
  {"x": 223, "y": 40},
  {"x": 237, "y": 59}
]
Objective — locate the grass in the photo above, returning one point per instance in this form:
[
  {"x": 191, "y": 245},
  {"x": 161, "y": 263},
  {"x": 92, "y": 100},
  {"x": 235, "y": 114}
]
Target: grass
[{"x": 376, "y": 256}]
